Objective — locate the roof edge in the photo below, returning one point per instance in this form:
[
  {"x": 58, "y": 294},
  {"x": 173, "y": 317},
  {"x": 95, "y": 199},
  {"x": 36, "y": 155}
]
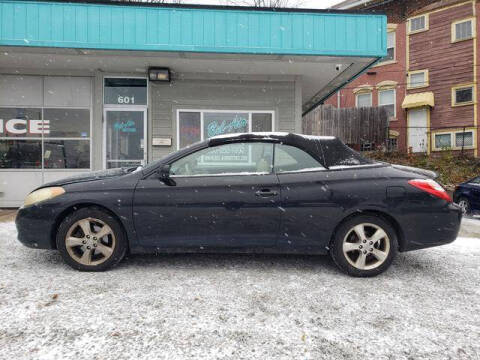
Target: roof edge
[{"x": 214, "y": 7}]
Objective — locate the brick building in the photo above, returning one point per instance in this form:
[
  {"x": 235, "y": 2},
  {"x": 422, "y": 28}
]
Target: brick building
[{"x": 428, "y": 79}]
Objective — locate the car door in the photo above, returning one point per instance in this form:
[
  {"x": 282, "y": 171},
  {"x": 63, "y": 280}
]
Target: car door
[
  {"x": 223, "y": 197},
  {"x": 306, "y": 199}
]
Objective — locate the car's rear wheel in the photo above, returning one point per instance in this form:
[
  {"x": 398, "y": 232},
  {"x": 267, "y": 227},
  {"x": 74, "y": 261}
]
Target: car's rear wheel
[
  {"x": 91, "y": 239},
  {"x": 364, "y": 246},
  {"x": 465, "y": 205}
]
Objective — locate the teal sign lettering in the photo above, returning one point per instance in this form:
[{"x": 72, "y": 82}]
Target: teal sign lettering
[
  {"x": 216, "y": 128},
  {"x": 125, "y": 126}
]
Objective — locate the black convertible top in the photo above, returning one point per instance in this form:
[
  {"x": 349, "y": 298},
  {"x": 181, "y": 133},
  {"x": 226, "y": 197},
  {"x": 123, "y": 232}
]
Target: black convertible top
[{"x": 328, "y": 150}]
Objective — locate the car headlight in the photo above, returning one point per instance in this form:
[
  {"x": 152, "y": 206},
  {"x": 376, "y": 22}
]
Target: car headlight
[{"x": 43, "y": 194}]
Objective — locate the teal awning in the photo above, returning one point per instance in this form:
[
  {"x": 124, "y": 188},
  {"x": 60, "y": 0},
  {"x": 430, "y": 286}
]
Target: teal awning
[{"x": 194, "y": 29}]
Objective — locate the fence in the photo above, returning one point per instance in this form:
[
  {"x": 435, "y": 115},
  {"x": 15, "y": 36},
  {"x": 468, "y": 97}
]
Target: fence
[{"x": 354, "y": 126}]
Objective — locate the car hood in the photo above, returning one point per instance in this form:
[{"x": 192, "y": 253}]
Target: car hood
[{"x": 93, "y": 176}]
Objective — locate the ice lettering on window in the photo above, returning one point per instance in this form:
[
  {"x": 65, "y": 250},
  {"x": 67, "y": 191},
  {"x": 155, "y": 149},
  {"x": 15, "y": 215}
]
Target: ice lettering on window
[{"x": 23, "y": 126}]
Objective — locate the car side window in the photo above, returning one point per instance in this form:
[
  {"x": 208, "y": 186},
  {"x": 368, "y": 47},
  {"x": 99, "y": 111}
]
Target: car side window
[
  {"x": 235, "y": 159},
  {"x": 290, "y": 158}
]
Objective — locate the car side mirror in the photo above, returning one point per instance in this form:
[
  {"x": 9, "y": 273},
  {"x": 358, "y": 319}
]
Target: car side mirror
[{"x": 164, "y": 175}]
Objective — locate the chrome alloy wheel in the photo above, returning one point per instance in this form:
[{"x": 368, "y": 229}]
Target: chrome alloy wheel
[
  {"x": 90, "y": 241},
  {"x": 366, "y": 246},
  {"x": 464, "y": 206}
]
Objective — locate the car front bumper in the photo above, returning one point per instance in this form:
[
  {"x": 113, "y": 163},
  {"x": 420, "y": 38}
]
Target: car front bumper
[{"x": 36, "y": 226}]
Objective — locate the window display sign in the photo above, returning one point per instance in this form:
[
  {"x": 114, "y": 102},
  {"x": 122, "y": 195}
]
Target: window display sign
[
  {"x": 234, "y": 154},
  {"x": 224, "y": 123},
  {"x": 125, "y": 91},
  {"x": 192, "y": 129},
  {"x": 219, "y": 123}
]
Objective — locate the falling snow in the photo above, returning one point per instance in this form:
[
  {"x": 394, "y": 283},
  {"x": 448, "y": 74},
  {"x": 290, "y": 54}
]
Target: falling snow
[{"x": 240, "y": 306}]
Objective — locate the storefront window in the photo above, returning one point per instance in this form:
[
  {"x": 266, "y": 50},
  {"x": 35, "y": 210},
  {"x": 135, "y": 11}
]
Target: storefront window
[
  {"x": 66, "y": 154},
  {"x": 20, "y": 154},
  {"x": 261, "y": 122},
  {"x": 20, "y": 122},
  {"x": 195, "y": 126},
  {"x": 189, "y": 131},
  {"x": 224, "y": 123},
  {"x": 67, "y": 123},
  {"x": 51, "y": 129}
]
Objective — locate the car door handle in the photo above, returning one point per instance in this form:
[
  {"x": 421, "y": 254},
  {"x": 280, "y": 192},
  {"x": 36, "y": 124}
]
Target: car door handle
[{"x": 266, "y": 193}]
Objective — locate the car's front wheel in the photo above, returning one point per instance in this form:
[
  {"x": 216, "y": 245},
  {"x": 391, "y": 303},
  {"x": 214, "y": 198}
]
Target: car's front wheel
[
  {"x": 364, "y": 246},
  {"x": 91, "y": 239}
]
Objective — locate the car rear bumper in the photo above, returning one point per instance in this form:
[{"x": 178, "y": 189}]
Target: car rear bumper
[
  {"x": 35, "y": 227},
  {"x": 432, "y": 228}
]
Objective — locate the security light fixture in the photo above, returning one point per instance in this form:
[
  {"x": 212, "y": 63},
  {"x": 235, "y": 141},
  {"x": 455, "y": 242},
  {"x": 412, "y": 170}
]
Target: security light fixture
[{"x": 159, "y": 74}]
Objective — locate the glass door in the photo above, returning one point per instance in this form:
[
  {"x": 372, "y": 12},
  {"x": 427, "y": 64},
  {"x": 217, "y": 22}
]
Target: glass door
[{"x": 125, "y": 130}]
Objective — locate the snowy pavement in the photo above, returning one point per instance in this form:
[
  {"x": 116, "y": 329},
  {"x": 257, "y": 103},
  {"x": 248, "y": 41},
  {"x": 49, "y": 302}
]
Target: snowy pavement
[{"x": 427, "y": 306}]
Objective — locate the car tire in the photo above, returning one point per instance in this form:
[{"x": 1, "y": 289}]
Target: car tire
[
  {"x": 91, "y": 239},
  {"x": 364, "y": 246},
  {"x": 465, "y": 205}
]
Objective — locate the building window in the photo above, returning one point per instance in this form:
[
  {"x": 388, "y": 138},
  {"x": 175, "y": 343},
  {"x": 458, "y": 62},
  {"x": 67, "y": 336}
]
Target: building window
[
  {"x": 462, "y": 30},
  {"x": 417, "y": 79},
  {"x": 364, "y": 100},
  {"x": 418, "y": 24},
  {"x": 386, "y": 98},
  {"x": 392, "y": 144},
  {"x": 443, "y": 141},
  {"x": 455, "y": 140},
  {"x": 367, "y": 146},
  {"x": 198, "y": 125},
  {"x": 44, "y": 138},
  {"x": 464, "y": 139},
  {"x": 390, "y": 47},
  {"x": 125, "y": 91},
  {"x": 463, "y": 95}
]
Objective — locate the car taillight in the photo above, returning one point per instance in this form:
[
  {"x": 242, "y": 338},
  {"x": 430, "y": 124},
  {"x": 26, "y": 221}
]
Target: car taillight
[{"x": 431, "y": 187}]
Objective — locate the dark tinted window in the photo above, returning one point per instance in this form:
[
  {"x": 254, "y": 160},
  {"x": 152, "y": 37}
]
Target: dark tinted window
[
  {"x": 125, "y": 91},
  {"x": 338, "y": 154},
  {"x": 66, "y": 154},
  {"x": 20, "y": 154},
  {"x": 464, "y": 95}
]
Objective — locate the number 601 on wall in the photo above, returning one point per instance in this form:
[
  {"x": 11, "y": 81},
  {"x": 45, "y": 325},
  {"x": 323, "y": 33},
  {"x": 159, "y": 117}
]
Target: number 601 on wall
[{"x": 126, "y": 99}]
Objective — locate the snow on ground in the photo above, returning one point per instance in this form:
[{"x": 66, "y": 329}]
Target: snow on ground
[{"x": 427, "y": 306}]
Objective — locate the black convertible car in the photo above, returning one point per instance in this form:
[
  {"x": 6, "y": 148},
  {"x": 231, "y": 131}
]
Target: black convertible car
[{"x": 256, "y": 192}]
